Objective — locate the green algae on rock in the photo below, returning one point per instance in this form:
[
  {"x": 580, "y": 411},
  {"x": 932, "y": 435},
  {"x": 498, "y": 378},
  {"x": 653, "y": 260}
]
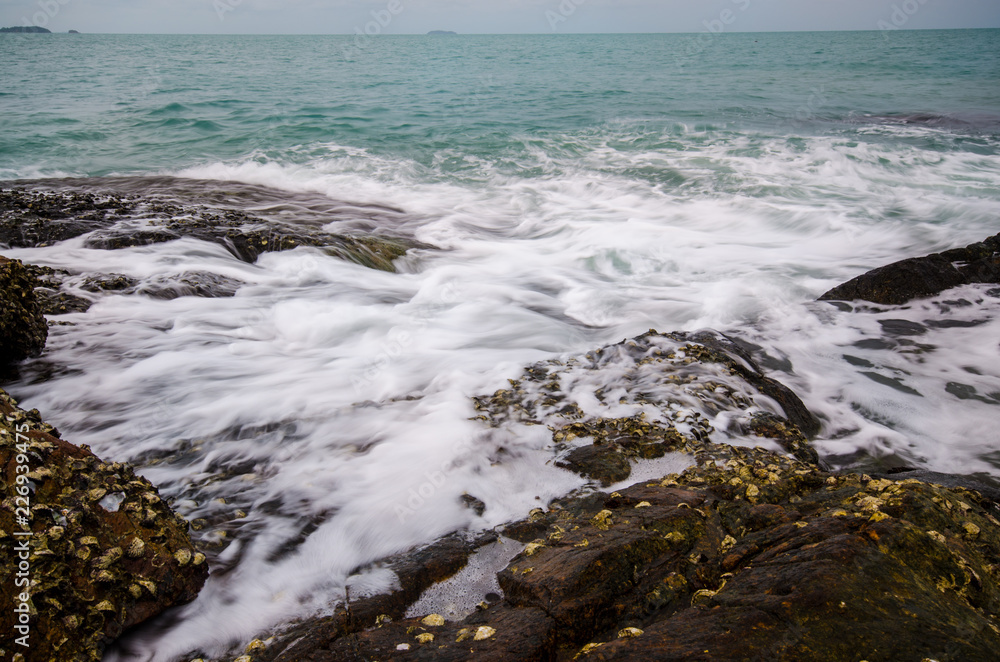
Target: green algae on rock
[
  {"x": 40, "y": 218},
  {"x": 106, "y": 552},
  {"x": 23, "y": 329}
]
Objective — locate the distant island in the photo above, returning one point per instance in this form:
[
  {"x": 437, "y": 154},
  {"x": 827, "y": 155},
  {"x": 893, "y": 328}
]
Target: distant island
[
  {"x": 27, "y": 28},
  {"x": 441, "y": 32},
  {"x": 73, "y": 32}
]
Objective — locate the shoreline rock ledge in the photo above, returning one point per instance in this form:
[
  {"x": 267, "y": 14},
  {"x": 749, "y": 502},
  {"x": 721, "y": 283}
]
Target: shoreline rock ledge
[
  {"x": 100, "y": 550},
  {"x": 748, "y": 554},
  {"x": 916, "y": 277}
]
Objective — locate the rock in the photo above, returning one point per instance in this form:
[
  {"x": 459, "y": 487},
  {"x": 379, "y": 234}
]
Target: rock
[
  {"x": 26, "y": 29},
  {"x": 926, "y": 276},
  {"x": 193, "y": 283},
  {"x": 73, "y": 32},
  {"x": 39, "y": 218},
  {"x": 105, "y": 551},
  {"x": 748, "y": 556},
  {"x": 417, "y": 570},
  {"x": 689, "y": 378},
  {"x": 108, "y": 283},
  {"x": 607, "y": 465},
  {"x": 23, "y": 329}
]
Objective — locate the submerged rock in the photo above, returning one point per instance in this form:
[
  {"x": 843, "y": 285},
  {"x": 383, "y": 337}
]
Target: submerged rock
[
  {"x": 41, "y": 218},
  {"x": 23, "y": 329},
  {"x": 649, "y": 396},
  {"x": 104, "y": 553},
  {"x": 926, "y": 276}
]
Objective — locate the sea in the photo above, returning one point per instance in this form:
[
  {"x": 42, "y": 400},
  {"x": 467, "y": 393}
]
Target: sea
[{"x": 565, "y": 192}]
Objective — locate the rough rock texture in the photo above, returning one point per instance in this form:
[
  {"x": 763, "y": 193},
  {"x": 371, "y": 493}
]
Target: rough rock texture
[
  {"x": 750, "y": 556},
  {"x": 417, "y": 570},
  {"x": 901, "y": 281},
  {"x": 36, "y": 218},
  {"x": 105, "y": 553},
  {"x": 23, "y": 329},
  {"x": 667, "y": 389}
]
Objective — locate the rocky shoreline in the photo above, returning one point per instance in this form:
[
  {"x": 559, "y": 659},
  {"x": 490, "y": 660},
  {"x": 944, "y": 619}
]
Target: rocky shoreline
[{"x": 746, "y": 553}]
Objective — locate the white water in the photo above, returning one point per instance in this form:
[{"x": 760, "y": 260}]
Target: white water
[{"x": 334, "y": 397}]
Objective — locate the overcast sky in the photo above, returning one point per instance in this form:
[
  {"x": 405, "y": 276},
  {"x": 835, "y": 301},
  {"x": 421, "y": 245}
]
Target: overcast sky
[{"x": 493, "y": 16}]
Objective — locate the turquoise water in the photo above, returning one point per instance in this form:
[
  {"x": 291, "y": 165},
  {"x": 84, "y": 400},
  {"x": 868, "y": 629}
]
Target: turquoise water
[
  {"x": 98, "y": 104},
  {"x": 571, "y": 191}
]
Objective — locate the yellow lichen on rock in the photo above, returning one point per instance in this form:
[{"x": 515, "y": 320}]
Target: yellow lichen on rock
[
  {"x": 483, "y": 633},
  {"x": 433, "y": 620}
]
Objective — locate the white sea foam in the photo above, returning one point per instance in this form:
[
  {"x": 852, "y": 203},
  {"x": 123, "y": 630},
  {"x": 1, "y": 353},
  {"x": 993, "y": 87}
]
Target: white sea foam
[{"x": 330, "y": 402}]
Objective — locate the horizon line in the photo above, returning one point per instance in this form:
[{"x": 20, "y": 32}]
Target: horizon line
[{"x": 485, "y": 34}]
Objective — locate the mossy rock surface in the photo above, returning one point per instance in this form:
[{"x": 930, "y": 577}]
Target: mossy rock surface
[
  {"x": 899, "y": 282},
  {"x": 23, "y": 329},
  {"x": 106, "y": 552},
  {"x": 30, "y": 218}
]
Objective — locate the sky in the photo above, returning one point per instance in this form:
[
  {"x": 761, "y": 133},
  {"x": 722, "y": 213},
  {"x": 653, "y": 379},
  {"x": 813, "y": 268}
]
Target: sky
[{"x": 493, "y": 16}]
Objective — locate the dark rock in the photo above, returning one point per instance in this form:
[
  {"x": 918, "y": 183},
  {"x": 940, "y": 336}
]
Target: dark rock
[
  {"x": 725, "y": 350},
  {"x": 474, "y": 504},
  {"x": 925, "y": 276},
  {"x": 61, "y": 303},
  {"x": 108, "y": 283},
  {"x": 416, "y": 570},
  {"x": 105, "y": 551},
  {"x": 191, "y": 284},
  {"x": 26, "y": 29},
  {"x": 23, "y": 329},
  {"x": 688, "y": 377},
  {"x": 73, "y": 32},
  {"x": 606, "y": 465},
  {"x": 749, "y": 556},
  {"x": 39, "y": 218}
]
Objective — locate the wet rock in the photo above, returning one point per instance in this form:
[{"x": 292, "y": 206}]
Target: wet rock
[
  {"x": 54, "y": 302},
  {"x": 926, "y": 276},
  {"x": 416, "y": 570},
  {"x": 108, "y": 283},
  {"x": 23, "y": 329},
  {"x": 750, "y": 555},
  {"x": 33, "y": 218},
  {"x": 104, "y": 552},
  {"x": 194, "y": 284},
  {"x": 688, "y": 380},
  {"x": 41, "y": 218},
  {"x": 606, "y": 465}
]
